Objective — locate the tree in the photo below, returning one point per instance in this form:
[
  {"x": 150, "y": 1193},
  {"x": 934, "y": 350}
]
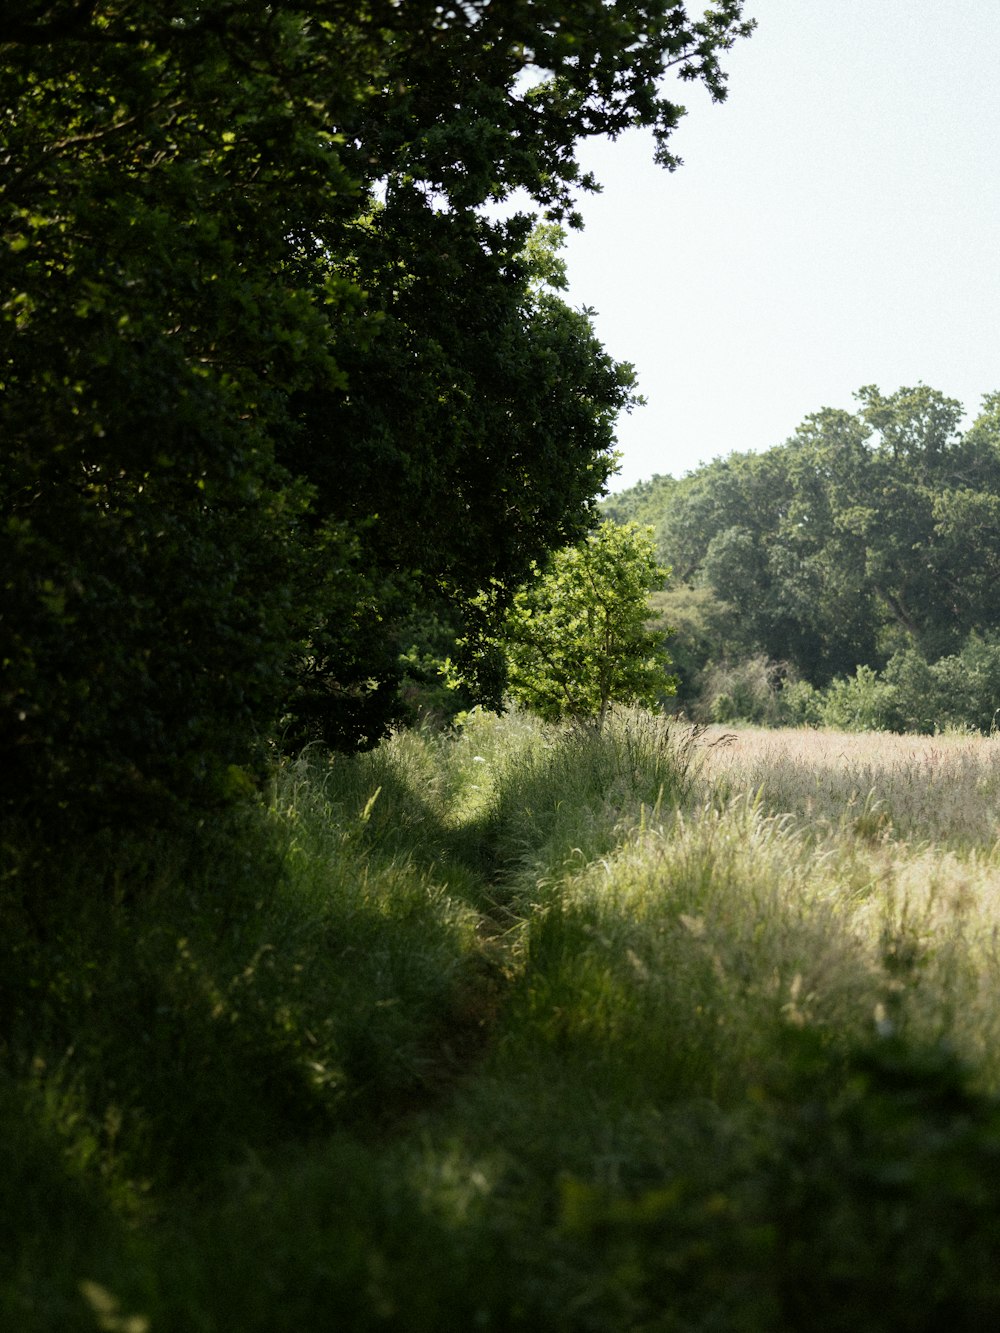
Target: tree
[
  {"x": 269, "y": 374},
  {"x": 158, "y": 565},
  {"x": 913, "y": 520},
  {"x": 576, "y": 635},
  {"x": 867, "y": 533},
  {"x": 466, "y": 472}
]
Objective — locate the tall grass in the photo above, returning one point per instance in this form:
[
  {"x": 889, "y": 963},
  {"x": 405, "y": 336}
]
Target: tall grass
[
  {"x": 521, "y": 1026},
  {"x": 943, "y": 788}
]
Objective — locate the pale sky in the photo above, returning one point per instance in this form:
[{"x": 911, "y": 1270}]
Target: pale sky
[{"x": 836, "y": 222}]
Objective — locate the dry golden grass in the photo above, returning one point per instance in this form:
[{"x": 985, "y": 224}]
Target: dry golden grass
[{"x": 913, "y": 788}]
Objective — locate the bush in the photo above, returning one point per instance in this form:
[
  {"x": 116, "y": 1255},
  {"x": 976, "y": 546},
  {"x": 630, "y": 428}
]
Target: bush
[
  {"x": 968, "y": 683},
  {"x": 960, "y": 692},
  {"x": 743, "y": 692},
  {"x": 862, "y": 702},
  {"x": 800, "y": 704}
]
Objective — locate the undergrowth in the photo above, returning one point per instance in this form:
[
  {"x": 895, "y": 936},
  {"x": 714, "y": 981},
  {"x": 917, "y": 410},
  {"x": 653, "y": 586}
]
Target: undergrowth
[{"x": 517, "y": 1027}]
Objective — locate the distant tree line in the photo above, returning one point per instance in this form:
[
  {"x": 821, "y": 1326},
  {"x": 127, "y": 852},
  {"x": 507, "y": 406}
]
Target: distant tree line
[{"x": 868, "y": 542}]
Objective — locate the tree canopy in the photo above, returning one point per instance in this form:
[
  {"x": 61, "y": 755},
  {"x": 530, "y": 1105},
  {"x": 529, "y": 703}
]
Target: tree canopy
[
  {"x": 865, "y": 534},
  {"x": 271, "y": 373}
]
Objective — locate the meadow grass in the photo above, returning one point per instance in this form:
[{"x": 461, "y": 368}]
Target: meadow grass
[{"x": 521, "y": 1027}]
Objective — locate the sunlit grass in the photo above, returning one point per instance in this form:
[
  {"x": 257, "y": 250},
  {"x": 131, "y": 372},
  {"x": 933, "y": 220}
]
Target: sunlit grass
[
  {"x": 927, "y": 788},
  {"x": 519, "y": 1026}
]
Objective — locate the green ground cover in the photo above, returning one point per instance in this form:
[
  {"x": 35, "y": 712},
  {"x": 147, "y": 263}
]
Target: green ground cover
[{"x": 522, "y": 1027}]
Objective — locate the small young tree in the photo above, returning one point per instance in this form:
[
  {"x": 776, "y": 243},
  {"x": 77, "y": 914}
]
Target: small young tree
[{"x": 576, "y": 636}]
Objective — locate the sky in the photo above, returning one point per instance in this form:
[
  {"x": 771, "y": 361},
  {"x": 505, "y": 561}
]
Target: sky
[{"x": 836, "y": 223}]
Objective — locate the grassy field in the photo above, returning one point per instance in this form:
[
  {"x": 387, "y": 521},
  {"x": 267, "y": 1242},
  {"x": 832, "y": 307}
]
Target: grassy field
[{"x": 520, "y": 1028}]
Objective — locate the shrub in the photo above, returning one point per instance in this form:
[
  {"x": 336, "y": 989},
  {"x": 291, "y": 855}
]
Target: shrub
[
  {"x": 743, "y": 692},
  {"x": 800, "y": 704},
  {"x": 862, "y": 702}
]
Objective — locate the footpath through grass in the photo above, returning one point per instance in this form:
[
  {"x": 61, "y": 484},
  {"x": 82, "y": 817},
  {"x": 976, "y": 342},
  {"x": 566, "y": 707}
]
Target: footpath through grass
[{"x": 521, "y": 1028}]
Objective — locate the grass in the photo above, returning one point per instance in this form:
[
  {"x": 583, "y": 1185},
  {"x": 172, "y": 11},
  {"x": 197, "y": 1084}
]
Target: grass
[{"x": 520, "y": 1028}]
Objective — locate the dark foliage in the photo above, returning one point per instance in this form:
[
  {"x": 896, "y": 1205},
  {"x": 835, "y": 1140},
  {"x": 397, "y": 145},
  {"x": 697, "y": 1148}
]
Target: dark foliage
[{"x": 268, "y": 377}]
